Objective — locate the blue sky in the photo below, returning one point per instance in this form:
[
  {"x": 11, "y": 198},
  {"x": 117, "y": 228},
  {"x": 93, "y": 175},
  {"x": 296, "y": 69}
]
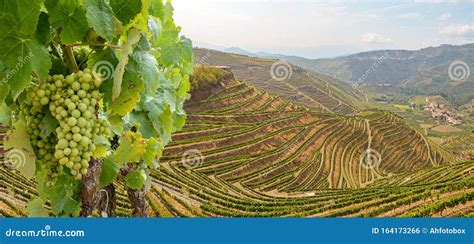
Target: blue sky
[{"x": 325, "y": 28}]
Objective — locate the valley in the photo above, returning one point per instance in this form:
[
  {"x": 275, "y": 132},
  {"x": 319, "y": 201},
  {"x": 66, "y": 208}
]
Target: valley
[{"x": 246, "y": 152}]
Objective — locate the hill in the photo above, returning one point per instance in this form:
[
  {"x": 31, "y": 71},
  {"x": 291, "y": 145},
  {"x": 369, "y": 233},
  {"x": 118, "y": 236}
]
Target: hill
[
  {"x": 419, "y": 72},
  {"x": 245, "y": 152},
  {"x": 295, "y": 83}
]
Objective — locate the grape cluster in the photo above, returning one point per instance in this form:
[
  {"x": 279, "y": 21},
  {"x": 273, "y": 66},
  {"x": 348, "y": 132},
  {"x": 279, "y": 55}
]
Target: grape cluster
[
  {"x": 43, "y": 145},
  {"x": 74, "y": 102}
]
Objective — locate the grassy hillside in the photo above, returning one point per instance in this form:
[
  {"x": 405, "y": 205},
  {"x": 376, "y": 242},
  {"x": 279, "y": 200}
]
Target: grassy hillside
[
  {"x": 302, "y": 86},
  {"x": 420, "y": 72},
  {"x": 260, "y": 155}
]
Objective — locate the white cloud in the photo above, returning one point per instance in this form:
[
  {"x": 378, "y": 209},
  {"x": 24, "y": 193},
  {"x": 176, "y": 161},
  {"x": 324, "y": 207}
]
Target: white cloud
[
  {"x": 458, "y": 30},
  {"x": 410, "y": 16},
  {"x": 374, "y": 38},
  {"x": 444, "y": 16}
]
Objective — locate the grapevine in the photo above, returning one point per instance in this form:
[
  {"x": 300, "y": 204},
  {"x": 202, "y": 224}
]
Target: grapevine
[{"x": 82, "y": 126}]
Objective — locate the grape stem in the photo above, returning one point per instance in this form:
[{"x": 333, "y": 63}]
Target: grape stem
[
  {"x": 94, "y": 44},
  {"x": 69, "y": 57}
]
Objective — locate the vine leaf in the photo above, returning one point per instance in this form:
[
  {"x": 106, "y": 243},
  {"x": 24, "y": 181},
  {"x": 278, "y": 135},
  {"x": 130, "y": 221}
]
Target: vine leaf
[
  {"x": 36, "y": 208},
  {"x": 132, "y": 87},
  {"x": 126, "y": 10},
  {"x": 135, "y": 179},
  {"x": 61, "y": 196},
  {"x": 5, "y": 114},
  {"x": 99, "y": 14},
  {"x": 22, "y": 156},
  {"x": 146, "y": 66},
  {"x": 24, "y": 14},
  {"x": 131, "y": 149},
  {"x": 70, "y": 16},
  {"x": 47, "y": 125},
  {"x": 21, "y": 54},
  {"x": 132, "y": 39},
  {"x": 44, "y": 32},
  {"x": 153, "y": 150},
  {"x": 109, "y": 172},
  {"x": 142, "y": 123}
]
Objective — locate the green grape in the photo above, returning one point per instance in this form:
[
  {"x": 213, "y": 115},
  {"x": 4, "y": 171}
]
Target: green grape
[
  {"x": 72, "y": 121},
  {"x": 62, "y": 143},
  {"x": 87, "y": 77},
  {"x": 76, "y": 86},
  {"x": 71, "y": 106},
  {"x": 77, "y": 137},
  {"x": 81, "y": 122},
  {"x": 76, "y": 113}
]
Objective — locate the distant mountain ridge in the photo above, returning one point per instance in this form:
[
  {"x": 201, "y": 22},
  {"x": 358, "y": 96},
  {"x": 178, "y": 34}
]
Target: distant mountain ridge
[{"x": 418, "y": 72}]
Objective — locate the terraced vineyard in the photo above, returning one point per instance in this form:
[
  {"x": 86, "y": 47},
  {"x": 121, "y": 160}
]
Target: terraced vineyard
[
  {"x": 265, "y": 156},
  {"x": 300, "y": 85}
]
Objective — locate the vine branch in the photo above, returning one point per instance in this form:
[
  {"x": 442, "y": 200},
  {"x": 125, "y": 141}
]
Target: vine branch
[
  {"x": 69, "y": 57},
  {"x": 94, "y": 44}
]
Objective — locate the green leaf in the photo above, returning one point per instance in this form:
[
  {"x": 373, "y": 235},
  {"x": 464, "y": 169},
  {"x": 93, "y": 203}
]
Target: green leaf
[
  {"x": 126, "y": 10},
  {"x": 36, "y": 209},
  {"x": 22, "y": 155},
  {"x": 70, "y": 16},
  {"x": 132, "y": 39},
  {"x": 61, "y": 196},
  {"x": 154, "y": 27},
  {"x": 4, "y": 91},
  {"x": 146, "y": 66},
  {"x": 132, "y": 87},
  {"x": 5, "y": 115},
  {"x": 131, "y": 149},
  {"x": 48, "y": 125},
  {"x": 157, "y": 9},
  {"x": 102, "y": 147},
  {"x": 25, "y": 15},
  {"x": 22, "y": 55},
  {"x": 109, "y": 172},
  {"x": 135, "y": 179},
  {"x": 116, "y": 124},
  {"x": 108, "y": 58},
  {"x": 144, "y": 125},
  {"x": 44, "y": 32},
  {"x": 153, "y": 150},
  {"x": 99, "y": 14}
]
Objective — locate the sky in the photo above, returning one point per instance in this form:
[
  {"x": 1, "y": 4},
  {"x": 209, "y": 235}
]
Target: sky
[{"x": 315, "y": 29}]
